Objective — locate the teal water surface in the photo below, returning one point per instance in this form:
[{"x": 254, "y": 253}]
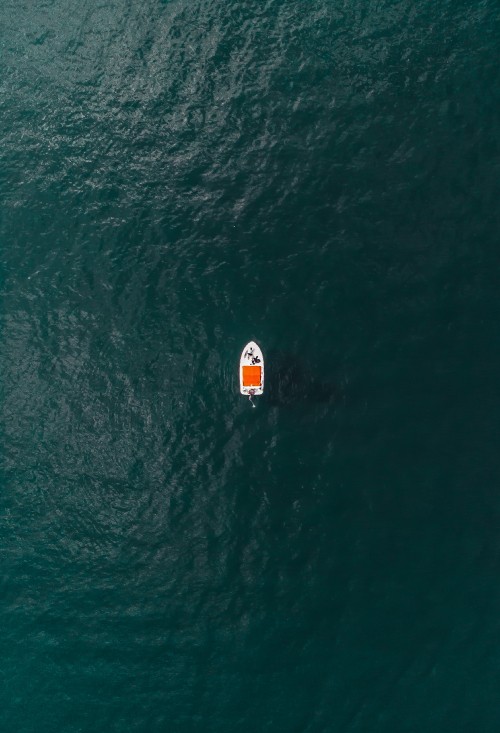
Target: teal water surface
[{"x": 176, "y": 179}]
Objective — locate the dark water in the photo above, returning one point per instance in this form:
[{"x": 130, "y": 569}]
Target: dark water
[{"x": 177, "y": 178}]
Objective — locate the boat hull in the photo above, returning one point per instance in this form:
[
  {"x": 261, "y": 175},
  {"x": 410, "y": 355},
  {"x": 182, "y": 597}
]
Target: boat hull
[{"x": 252, "y": 370}]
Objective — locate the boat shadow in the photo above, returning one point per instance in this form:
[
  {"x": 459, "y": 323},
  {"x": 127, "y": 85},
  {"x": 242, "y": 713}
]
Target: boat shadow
[{"x": 290, "y": 382}]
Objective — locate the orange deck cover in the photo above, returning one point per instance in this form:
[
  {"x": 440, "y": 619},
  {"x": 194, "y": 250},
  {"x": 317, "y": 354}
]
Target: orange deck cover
[{"x": 251, "y": 376}]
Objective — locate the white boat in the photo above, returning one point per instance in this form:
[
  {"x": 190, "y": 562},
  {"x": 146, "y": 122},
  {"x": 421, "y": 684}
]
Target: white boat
[{"x": 251, "y": 371}]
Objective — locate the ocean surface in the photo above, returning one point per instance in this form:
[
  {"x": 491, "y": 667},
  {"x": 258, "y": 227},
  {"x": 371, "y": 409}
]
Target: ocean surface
[{"x": 177, "y": 178}]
